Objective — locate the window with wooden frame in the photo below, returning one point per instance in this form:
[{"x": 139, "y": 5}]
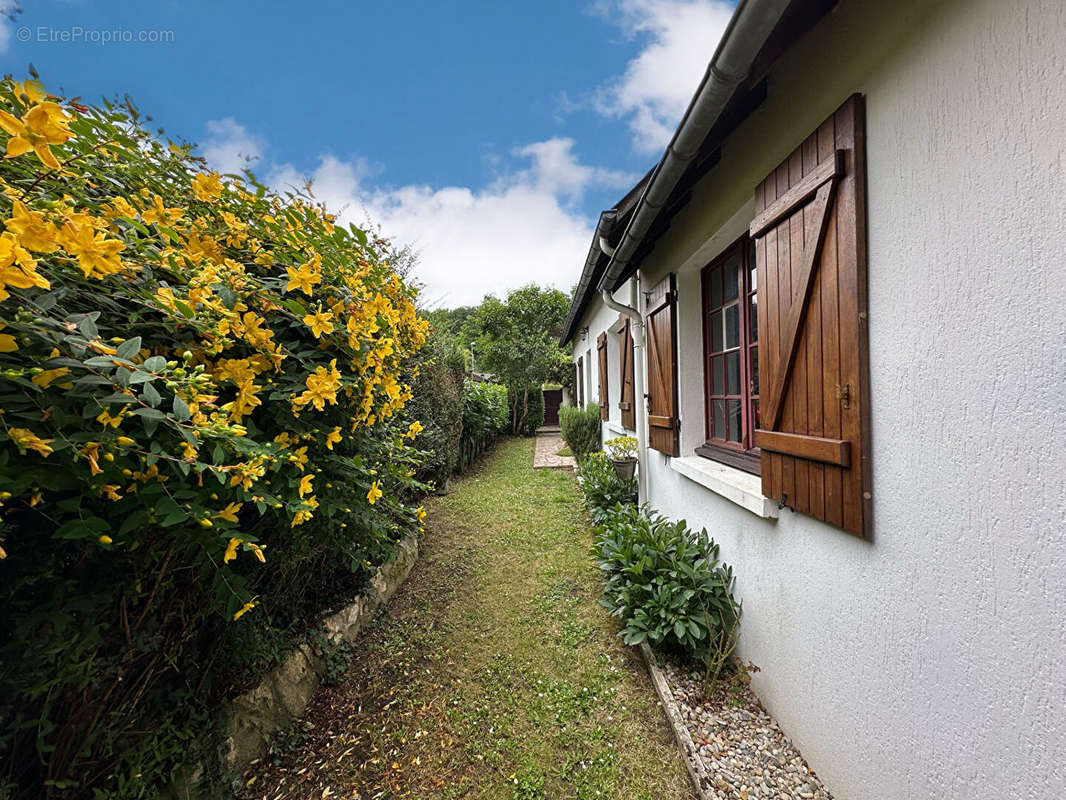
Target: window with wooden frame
[{"x": 731, "y": 357}]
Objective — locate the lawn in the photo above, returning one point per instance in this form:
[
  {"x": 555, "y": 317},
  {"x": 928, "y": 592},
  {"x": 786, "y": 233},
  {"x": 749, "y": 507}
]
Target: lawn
[{"x": 494, "y": 672}]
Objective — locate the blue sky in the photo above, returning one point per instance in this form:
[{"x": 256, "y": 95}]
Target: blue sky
[{"x": 488, "y": 135}]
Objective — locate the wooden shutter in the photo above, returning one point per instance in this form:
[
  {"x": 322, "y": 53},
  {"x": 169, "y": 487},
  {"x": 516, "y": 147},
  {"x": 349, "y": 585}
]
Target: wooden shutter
[
  {"x": 601, "y": 353},
  {"x": 810, "y": 244},
  {"x": 625, "y": 373},
  {"x": 660, "y": 322}
]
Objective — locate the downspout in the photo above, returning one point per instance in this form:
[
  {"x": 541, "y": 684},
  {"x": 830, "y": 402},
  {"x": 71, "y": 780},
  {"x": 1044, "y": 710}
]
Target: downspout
[{"x": 639, "y": 417}]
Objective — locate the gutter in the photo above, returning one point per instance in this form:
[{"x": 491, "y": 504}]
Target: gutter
[{"x": 744, "y": 37}]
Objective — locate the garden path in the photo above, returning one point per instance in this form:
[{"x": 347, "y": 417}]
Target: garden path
[
  {"x": 546, "y": 452},
  {"x": 493, "y": 673}
]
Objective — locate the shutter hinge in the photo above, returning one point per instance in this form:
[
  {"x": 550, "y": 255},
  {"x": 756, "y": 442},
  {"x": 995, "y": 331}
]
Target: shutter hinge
[{"x": 844, "y": 394}]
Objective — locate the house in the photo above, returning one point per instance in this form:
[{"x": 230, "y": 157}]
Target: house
[{"x": 833, "y": 316}]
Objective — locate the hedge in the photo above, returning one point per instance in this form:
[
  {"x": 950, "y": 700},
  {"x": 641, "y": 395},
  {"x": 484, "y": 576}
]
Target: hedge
[
  {"x": 200, "y": 441},
  {"x": 484, "y": 418}
]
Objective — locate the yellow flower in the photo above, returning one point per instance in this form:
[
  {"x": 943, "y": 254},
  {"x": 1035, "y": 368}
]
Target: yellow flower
[
  {"x": 229, "y": 513},
  {"x": 320, "y": 322},
  {"x": 17, "y": 267},
  {"x": 244, "y": 610},
  {"x": 231, "y": 550},
  {"x": 333, "y": 437},
  {"x": 30, "y": 91},
  {"x": 414, "y": 429},
  {"x": 374, "y": 494},
  {"x": 27, "y": 440},
  {"x": 322, "y": 386},
  {"x": 302, "y": 278},
  {"x": 420, "y": 514},
  {"x": 258, "y": 552},
  {"x": 305, "y": 485},
  {"x": 33, "y": 230},
  {"x": 108, "y": 421},
  {"x": 92, "y": 452},
  {"x": 207, "y": 187},
  {"x": 160, "y": 214},
  {"x": 125, "y": 441},
  {"x": 97, "y": 255},
  {"x": 110, "y": 491},
  {"x": 45, "y": 124},
  {"x": 44, "y": 379},
  {"x": 3, "y": 553},
  {"x": 9, "y": 345}
]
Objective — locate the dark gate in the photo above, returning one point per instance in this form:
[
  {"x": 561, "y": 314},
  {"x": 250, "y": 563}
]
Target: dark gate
[{"x": 553, "y": 398}]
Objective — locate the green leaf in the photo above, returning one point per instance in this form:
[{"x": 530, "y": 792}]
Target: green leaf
[
  {"x": 181, "y": 409},
  {"x": 128, "y": 349},
  {"x": 150, "y": 395},
  {"x": 154, "y": 364}
]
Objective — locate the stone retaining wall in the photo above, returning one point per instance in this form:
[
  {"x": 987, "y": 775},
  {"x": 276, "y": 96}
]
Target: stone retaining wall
[{"x": 249, "y": 720}]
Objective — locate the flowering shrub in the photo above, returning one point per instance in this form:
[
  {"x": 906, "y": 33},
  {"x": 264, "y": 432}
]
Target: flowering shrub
[{"x": 199, "y": 442}]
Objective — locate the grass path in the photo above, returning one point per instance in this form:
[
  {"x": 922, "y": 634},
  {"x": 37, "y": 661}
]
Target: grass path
[{"x": 494, "y": 672}]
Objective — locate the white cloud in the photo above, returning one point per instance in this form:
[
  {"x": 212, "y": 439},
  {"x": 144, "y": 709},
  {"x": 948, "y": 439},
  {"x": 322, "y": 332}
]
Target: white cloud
[
  {"x": 230, "y": 147},
  {"x": 523, "y": 227},
  {"x": 658, "y": 83}
]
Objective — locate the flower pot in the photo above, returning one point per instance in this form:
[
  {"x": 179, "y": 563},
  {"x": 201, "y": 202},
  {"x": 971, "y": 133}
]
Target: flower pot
[{"x": 624, "y": 467}]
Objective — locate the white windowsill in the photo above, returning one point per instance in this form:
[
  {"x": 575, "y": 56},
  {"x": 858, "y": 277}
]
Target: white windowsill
[
  {"x": 614, "y": 427},
  {"x": 734, "y": 485}
]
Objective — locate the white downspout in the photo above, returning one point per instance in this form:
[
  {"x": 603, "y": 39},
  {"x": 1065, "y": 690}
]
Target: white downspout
[{"x": 639, "y": 417}]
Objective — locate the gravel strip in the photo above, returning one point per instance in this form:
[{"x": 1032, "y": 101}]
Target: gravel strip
[{"x": 745, "y": 754}]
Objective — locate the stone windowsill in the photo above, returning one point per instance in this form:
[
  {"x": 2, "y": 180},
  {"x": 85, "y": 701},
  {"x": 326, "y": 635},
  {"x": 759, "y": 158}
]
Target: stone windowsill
[
  {"x": 615, "y": 428},
  {"x": 734, "y": 485}
]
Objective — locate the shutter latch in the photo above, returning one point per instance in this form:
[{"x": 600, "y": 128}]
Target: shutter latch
[{"x": 844, "y": 394}]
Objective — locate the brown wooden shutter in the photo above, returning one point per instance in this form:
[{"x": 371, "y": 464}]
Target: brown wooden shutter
[
  {"x": 660, "y": 320},
  {"x": 601, "y": 353},
  {"x": 810, "y": 243},
  {"x": 625, "y": 360}
]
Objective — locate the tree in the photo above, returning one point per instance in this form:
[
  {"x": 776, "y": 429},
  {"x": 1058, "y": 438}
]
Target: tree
[{"x": 518, "y": 342}]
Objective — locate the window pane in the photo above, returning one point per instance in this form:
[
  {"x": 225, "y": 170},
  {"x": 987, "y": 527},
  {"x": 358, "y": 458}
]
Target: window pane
[
  {"x": 716, "y": 332},
  {"x": 716, "y": 287},
  {"x": 732, "y": 278},
  {"x": 732, "y": 326},
  {"x": 753, "y": 312},
  {"x": 755, "y": 415},
  {"x": 754, "y": 274},
  {"x": 733, "y": 410},
  {"x": 732, "y": 368},
  {"x": 719, "y": 419},
  {"x": 754, "y": 370},
  {"x": 718, "y": 375}
]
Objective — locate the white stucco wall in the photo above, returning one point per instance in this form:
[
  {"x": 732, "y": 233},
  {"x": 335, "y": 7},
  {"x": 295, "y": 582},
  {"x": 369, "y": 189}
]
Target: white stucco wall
[
  {"x": 598, "y": 318},
  {"x": 929, "y": 662}
]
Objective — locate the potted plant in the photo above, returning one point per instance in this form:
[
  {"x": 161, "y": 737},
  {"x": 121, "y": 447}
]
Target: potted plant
[{"x": 623, "y": 456}]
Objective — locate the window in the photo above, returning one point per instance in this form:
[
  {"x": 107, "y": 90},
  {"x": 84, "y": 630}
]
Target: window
[{"x": 731, "y": 354}]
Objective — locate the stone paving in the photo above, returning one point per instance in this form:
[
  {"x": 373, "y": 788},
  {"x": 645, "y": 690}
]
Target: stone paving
[{"x": 544, "y": 456}]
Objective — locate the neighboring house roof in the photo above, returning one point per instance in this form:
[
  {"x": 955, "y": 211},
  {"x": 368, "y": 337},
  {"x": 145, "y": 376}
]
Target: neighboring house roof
[{"x": 651, "y": 204}]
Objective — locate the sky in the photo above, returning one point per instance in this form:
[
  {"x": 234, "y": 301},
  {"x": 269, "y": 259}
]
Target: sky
[{"x": 487, "y": 135}]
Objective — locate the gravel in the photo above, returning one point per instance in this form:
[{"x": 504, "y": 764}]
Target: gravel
[{"x": 745, "y": 754}]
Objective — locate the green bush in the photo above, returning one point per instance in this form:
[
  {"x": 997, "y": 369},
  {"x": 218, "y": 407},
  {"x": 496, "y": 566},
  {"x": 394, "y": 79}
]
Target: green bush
[
  {"x": 581, "y": 429},
  {"x": 484, "y": 418},
  {"x": 602, "y": 488},
  {"x": 438, "y": 405},
  {"x": 666, "y": 584}
]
